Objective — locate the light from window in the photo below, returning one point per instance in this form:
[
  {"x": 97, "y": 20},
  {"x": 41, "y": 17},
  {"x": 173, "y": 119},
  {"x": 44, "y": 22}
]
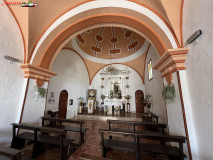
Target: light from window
[{"x": 150, "y": 69}]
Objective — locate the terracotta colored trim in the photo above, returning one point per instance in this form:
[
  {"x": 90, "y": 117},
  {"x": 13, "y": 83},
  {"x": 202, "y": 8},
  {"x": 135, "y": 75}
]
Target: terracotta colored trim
[
  {"x": 145, "y": 63},
  {"x": 117, "y": 63},
  {"x": 181, "y": 23},
  {"x": 22, "y": 34},
  {"x": 184, "y": 116},
  {"x": 169, "y": 27},
  {"x": 29, "y": 66},
  {"x": 161, "y": 17},
  {"x": 23, "y": 104},
  {"x": 36, "y": 78},
  {"x": 53, "y": 22},
  {"x": 173, "y": 70},
  {"x": 172, "y": 63},
  {"x": 168, "y": 54},
  {"x": 51, "y": 49},
  {"x": 35, "y": 73},
  {"x": 80, "y": 57}
]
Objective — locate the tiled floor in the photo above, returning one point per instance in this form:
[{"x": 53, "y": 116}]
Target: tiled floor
[{"x": 92, "y": 143}]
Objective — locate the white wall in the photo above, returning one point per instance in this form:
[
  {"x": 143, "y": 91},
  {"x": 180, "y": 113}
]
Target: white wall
[
  {"x": 135, "y": 83},
  {"x": 11, "y": 75},
  {"x": 34, "y": 106},
  {"x": 154, "y": 87},
  {"x": 72, "y": 76},
  {"x": 175, "y": 115},
  {"x": 198, "y": 15}
]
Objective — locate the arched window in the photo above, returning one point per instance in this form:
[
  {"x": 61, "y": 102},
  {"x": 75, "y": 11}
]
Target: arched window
[{"x": 149, "y": 65}]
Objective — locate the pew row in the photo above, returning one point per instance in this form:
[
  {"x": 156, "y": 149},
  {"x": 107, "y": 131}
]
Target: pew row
[
  {"x": 136, "y": 127},
  {"x": 60, "y": 123},
  {"x": 142, "y": 145},
  {"x": 41, "y": 136}
]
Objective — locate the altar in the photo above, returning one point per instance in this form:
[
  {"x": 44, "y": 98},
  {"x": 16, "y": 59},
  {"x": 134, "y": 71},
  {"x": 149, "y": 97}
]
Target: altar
[{"x": 110, "y": 105}]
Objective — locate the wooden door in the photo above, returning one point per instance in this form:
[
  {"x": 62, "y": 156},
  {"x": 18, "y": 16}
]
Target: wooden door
[
  {"x": 139, "y": 97},
  {"x": 63, "y": 99}
]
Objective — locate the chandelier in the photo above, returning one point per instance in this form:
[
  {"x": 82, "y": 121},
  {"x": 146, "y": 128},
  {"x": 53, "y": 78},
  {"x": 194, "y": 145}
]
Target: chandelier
[{"x": 111, "y": 70}]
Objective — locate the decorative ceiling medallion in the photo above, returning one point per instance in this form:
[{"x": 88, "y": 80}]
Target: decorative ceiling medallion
[
  {"x": 110, "y": 42},
  {"x": 140, "y": 52}
]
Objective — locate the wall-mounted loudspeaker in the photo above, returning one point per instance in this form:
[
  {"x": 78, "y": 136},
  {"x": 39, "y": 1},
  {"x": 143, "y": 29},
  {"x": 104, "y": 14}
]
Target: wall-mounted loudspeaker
[{"x": 194, "y": 36}]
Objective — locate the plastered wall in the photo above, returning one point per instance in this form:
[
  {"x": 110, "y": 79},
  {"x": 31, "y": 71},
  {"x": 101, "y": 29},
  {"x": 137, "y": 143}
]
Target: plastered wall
[
  {"x": 11, "y": 75},
  {"x": 154, "y": 87},
  {"x": 199, "y": 71},
  {"x": 71, "y": 76},
  {"x": 34, "y": 105},
  {"x": 135, "y": 83}
]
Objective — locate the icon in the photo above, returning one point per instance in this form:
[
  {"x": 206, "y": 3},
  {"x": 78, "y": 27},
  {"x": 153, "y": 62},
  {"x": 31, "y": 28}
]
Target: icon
[{"x": 29, "y": 4}]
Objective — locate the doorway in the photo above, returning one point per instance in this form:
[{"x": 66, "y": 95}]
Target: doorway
[
  {"x": 139, "y": 98},
  {"x": 62, "y": 106}
]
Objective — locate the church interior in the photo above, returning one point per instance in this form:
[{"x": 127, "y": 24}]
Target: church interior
[{"x": 106, "y": 79}]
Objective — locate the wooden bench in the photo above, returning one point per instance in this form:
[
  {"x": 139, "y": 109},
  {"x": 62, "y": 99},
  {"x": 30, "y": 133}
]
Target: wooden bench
[
  {"x": 149, "y": 117},
  {"x": 11, "y": 153},
  {"x": 58, "y": 123},
  {"x": 40, "y": 136},
  {"x": 139, "y": 147},
  {"x": 134, "y": 126}
]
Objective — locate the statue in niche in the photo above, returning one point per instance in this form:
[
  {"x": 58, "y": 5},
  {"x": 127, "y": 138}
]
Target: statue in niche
[{"x": 117, "y": 91}]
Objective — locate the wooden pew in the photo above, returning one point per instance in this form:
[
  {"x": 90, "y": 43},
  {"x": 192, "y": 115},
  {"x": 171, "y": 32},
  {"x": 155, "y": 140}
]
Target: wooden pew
[
  {"x": 139, "y": 147},
  {"x": 58, "y": 123},
  {"x": 133, "y": 126},
  {"x": 149, "y": 117},
  {"x": 40, "y": 136}
]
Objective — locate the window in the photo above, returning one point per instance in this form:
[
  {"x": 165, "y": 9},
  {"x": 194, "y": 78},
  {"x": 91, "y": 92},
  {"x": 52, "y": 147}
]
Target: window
[{"x": 150, "y": 69}]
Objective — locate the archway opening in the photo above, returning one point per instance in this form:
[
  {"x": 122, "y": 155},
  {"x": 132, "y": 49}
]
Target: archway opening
[{"x": 62, "y": 106}]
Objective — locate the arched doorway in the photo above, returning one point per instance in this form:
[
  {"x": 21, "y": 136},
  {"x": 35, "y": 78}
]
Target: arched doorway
[
  {"x": 139, "y": 97},
  {"x": 62, "y": 106}
]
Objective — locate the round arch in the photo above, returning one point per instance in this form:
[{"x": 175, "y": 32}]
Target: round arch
[
  {"x": 65, "y": 32},
  {"x": 115, "y": 64}
]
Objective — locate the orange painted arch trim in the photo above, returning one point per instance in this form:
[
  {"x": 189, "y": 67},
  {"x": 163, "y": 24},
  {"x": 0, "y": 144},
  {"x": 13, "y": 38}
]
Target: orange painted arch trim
[
  {"x": 22, "y": 34},
  {"x": 145, "y": 63},
  {"x": 52, "y": 23},
  {"x": 171, "y": 30},
  {"x": 181, "y": 23},
  {"x": 97, "y": 19},
  {"x": 161, "y": 17},
  {"x": 117, "y": 63}
]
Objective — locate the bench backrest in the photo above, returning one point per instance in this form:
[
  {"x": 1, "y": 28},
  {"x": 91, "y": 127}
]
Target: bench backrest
[
  {"x": 134, "y": 124},
  {"x": 138, "y": 137},
  {"x": 61, "y": 120},
  {"x": 37, "y": 128}
]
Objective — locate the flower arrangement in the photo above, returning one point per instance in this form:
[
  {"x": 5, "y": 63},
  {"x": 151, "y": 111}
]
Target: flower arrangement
[
  {"x": 147, "y": 101},
  {"x": 128, "y": 97},
  {"x": 40, "y": 92},
  {"x": 103, "y": 96},
  {"x": 81, "y": 99},
  {"x": 169, "y": 93}
]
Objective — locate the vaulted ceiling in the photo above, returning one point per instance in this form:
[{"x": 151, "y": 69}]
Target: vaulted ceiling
[
  {"x": 34, "y": 22},
  {"x": 104, "y": 31}
]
